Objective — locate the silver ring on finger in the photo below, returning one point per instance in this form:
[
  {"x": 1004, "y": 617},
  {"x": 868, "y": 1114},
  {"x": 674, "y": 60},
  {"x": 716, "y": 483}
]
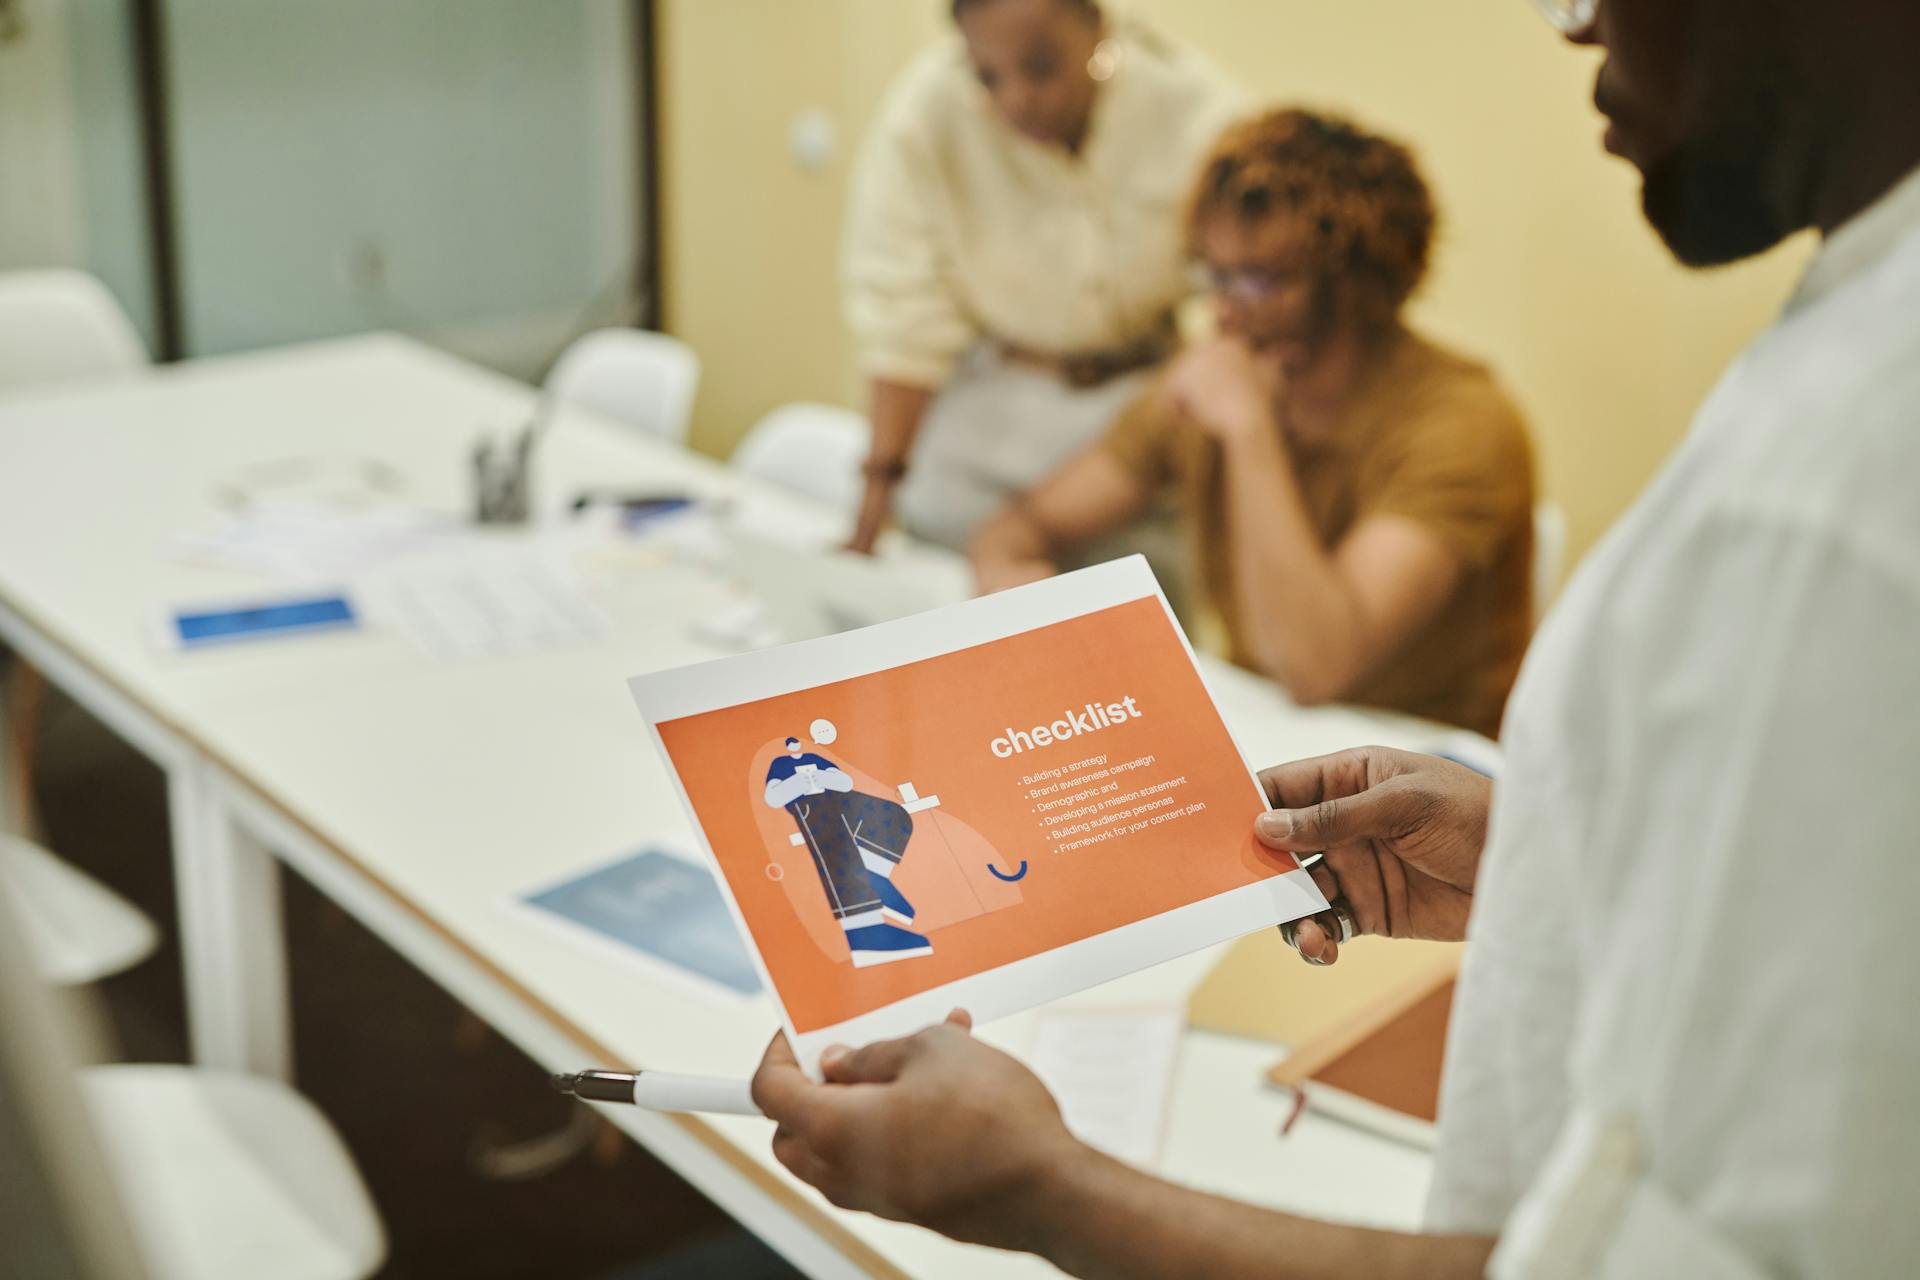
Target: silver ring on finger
[{"x": 1343, "y": 912}]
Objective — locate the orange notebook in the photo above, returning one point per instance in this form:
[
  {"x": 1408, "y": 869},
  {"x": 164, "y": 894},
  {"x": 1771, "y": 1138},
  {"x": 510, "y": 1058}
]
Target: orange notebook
[{"x": 1367, "y": 1036}]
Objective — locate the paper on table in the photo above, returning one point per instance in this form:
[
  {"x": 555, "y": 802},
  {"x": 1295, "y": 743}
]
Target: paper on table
[
  {"x": 659, "y": 905},
  {"x": 1110, "y": 1070},
  {"x": 482, "y": 599},
  {"x": 307, "y": 544}
]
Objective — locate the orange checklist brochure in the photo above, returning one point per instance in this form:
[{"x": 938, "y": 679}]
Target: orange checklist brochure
[{"x": 985, "y": 806}]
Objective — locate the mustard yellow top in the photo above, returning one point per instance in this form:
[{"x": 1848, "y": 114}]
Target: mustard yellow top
[{"x": 1428, "y": 435}]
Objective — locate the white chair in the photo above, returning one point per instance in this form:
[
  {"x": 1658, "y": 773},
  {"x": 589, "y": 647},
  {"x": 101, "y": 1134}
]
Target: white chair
[
  {"x": 212, "y": 1175},
  {"x": 76, "y": 930},
  {"x": 55, "y": 326},
  {"x": 1549, "y": 549},
  {"x": 57, "y": 1199},
  {"x": 814, "y": 448},
  {"x": 644, "y": 379},
  {"x": 231, "y": 1177},
  {"x": 220, "y": 1176},
  {"x": 60, "y": 325}
]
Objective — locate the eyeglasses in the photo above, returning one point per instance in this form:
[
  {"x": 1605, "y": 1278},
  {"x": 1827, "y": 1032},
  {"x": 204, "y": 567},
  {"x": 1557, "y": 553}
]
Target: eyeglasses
[
  {"x": 1248, "y": 285},
  {"x": 1569, "y": 16}
]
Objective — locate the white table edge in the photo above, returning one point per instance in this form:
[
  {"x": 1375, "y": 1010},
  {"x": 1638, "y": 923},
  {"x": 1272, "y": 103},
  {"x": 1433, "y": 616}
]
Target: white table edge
[{"x": 226, "y": 833}]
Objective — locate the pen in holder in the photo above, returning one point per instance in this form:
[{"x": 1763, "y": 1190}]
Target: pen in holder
[{"x": 503, "y": 477}]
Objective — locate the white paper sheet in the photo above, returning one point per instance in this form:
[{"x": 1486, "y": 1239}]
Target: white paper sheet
[
  {"x": 1111, "y": 1071},
  {"x": 480, "y": 600},
  {"x": 308, "y": 544}
]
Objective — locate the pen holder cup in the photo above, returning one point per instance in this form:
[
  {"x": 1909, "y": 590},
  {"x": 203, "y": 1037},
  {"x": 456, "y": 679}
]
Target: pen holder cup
[{"x": 502, "y": 483}]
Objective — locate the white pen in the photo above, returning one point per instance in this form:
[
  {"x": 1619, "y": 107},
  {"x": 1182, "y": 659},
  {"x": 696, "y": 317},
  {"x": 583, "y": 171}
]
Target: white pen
[{"x": 660, "y": 1091}]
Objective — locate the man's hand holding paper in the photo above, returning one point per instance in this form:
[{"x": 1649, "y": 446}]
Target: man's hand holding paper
[{"x": 1401, "y": 836}]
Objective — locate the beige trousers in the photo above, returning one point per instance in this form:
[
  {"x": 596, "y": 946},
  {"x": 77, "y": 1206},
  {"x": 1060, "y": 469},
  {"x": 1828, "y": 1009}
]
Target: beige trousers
[{"x": 997, "y": 429}]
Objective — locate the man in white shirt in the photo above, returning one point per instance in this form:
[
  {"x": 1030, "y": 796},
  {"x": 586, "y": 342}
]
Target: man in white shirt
[{"x": 1685, "y": 1041}]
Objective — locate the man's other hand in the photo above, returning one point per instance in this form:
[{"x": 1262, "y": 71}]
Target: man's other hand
[
  {"x": 935, "y": 1129},
  {"x": 1401, "y": 834}
]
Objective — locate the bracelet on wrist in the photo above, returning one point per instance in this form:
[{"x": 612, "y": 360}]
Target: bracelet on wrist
[{"x": 889, "y": 469}]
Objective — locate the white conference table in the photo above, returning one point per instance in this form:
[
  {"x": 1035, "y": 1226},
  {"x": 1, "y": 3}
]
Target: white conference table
[{"x": 423, "y": 796}]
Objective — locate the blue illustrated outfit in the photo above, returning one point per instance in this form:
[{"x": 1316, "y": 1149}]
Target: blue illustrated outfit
[
  {"x": 856, "y": 840},
  {"x": 788, "y": 766}
]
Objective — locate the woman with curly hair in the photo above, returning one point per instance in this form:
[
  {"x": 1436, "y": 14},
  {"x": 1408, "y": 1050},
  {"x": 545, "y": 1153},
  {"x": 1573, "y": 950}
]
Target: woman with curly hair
[
  {"x": 1358, "y": 499},
  {"x": 1013, "y": 250}
]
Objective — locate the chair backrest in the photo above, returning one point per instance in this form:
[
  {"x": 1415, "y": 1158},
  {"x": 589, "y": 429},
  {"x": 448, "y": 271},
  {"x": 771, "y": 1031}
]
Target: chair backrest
[
  {"x": 814, "y": 448},
  {"x": 1549, "y": 549},
  {"x": 76, "y": 930},
  {"x": 58, "y": 325},
  {"x": 645, "y": 379},
  {"x": 61, "y": 1217}
]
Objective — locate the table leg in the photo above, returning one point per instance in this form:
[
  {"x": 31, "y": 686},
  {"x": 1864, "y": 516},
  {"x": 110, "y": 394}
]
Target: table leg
[{"x": 232, "y": 937}]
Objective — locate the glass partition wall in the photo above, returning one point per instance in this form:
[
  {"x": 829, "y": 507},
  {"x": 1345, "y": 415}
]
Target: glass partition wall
[{"x": 248, "y": 173}]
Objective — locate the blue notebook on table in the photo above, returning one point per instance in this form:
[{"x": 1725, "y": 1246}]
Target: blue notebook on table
[{"x": 662, "y": 906}]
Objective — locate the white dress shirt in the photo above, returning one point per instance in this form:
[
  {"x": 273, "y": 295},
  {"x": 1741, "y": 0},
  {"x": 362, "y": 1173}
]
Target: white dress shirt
[{"x": 1687, "y": 1036}]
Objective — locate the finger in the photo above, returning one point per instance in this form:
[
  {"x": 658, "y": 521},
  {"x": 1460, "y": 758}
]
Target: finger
[
  {"x": 1241, "y": 348},
  {"x": 800, "y": 1159},
  {"x": 960, "y": 1018},
  {"x": 1359, "y": 872},
  {"x": 1378, "y": 813},
  {"x": 1317, "y": 939},
  {"x": 1324, "y": 878},
  {"x": 779, "y": 1087},
  {"x": 1304, "y": 782},
  {"x": 875, "y": 1063},
  {"x": 1395, "y": 897},
  {"x": 1356, "y": 875}
]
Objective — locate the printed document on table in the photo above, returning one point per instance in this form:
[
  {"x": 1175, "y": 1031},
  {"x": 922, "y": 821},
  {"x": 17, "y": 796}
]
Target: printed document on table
[
  {"x": 986, "y": 806},
  {"x": 1111, "y": 1071},
  {"x": 478, "y": 598},
  {"x": 655, "y": 904},
  {"x": 302, "y": 546}
]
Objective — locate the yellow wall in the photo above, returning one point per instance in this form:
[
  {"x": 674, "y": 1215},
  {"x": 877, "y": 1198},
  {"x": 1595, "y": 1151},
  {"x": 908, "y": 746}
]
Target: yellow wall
[
  {"x": 750, "y": 241},
  {"x": 1545, "y": 267}
]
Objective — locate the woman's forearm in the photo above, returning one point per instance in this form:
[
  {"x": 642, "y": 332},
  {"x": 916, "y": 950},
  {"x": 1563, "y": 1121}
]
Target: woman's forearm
[
  {"x": 895, "y": 410},
  {"x": 1301, "y": 621},
  {"x": 1009, "y": 535}
]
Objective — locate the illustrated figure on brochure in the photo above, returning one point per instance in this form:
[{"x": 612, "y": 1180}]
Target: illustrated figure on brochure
[
  {"x": 859, "y": 839},
  {"x": 856, "y": 841}
]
